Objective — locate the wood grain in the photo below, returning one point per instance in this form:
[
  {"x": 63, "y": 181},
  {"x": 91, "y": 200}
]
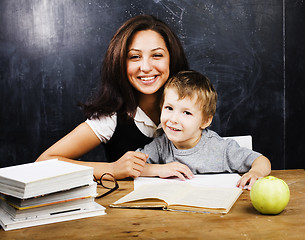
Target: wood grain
[{"x": 242, "y": 222}]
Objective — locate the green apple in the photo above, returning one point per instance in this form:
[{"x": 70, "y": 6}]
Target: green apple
[{"x": 270, "y": 195}]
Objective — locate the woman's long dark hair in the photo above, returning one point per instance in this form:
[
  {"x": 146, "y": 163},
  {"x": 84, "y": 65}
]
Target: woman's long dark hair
[{"x": 116, "y": 93}]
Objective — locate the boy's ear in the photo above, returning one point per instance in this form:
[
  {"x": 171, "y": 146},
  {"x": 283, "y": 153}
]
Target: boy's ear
[{"x": 207, "y": 122}]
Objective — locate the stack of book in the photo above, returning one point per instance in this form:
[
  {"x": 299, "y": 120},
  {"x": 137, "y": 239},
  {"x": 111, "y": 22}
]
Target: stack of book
[{"x": 46, "y": 192}]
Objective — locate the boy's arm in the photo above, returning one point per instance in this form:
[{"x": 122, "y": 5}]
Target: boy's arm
[
  {"x": 167, "y": 170},
  {"x": 261, "y": 167}
]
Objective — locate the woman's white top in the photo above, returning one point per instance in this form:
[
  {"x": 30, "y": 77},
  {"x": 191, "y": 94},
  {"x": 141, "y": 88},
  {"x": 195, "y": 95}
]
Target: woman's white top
[{"x": 104, "y": 127}]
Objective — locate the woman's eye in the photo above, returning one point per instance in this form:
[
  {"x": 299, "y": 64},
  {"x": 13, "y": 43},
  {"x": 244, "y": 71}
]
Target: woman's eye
[
  {"x": 158, "y": 55},
  {"x": 134, "y": 57}
]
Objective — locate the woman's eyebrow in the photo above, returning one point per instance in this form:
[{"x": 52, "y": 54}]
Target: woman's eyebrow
[
  {"x": 134, "y": 49},
  {"x": 152, "y": 50},
  {"x": 158, "y": 48}
]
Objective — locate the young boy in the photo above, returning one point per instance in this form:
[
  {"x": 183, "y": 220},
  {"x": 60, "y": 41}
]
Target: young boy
[{"x": 187, "y": 146}]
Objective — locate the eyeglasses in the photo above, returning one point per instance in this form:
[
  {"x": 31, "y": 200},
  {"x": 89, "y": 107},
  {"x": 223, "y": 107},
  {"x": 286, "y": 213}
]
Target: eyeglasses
[{"x": 107, "y": 181}]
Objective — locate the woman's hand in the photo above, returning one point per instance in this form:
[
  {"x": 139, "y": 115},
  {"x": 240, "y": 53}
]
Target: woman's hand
[{"x": 131, "y": 164}]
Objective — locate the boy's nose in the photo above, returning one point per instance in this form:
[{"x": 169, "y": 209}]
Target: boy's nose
[{"x": 174, "y": 118}]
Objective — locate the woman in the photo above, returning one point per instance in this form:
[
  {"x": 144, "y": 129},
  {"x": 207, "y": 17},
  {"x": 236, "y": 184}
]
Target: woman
[{"x": 142, "y": 55}]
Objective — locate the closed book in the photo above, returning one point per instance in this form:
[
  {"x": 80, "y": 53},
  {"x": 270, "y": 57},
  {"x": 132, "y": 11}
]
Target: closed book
[
  {"x": 39, "y": 178},
  {"x": 52, "y": 198},
  {"x": 8, "y": 223},
  {"x": 49, "y": 210}
]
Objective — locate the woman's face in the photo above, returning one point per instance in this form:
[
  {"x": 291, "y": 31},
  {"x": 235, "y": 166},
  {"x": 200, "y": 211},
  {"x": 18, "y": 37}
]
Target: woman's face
[{"x": 147, "y": 62}]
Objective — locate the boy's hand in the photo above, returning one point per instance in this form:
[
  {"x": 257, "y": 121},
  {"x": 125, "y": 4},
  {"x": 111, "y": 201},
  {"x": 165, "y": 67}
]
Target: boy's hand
[
  {"x": 174, "y": 169},
  {"x": 261, "y": 167},
  {"x": 248, "y": 178}
]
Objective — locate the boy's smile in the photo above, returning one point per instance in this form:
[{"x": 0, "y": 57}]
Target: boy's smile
[{"x": 173, "y": 129}]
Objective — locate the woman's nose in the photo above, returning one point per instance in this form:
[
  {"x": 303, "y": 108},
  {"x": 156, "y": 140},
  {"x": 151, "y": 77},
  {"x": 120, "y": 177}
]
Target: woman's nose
[{"x": 146, "y": 65}]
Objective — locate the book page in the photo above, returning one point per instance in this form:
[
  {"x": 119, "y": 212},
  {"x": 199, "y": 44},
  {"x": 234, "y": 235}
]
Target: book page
[
  {"x": 206, "y": 197},
  {"x": 225, "y": 180},
  {"x": 166, "y": 192}
]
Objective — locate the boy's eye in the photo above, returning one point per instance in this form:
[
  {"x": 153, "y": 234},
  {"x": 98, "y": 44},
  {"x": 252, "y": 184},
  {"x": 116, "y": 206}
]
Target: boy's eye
[
  {"x": 168, "y": 108},
  {"x": 187, "y": 113}
]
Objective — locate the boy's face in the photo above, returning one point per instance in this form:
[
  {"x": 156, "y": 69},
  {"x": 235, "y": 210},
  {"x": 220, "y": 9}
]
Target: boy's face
[{"x": 182, "y": 119}]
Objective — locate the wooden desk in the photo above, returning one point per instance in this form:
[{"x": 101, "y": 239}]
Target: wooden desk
[{"x": 242, "y": 222}]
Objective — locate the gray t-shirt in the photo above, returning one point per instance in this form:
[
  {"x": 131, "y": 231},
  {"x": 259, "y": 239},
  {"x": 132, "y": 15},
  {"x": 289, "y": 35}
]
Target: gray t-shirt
[{"x": 212, "y": 154}]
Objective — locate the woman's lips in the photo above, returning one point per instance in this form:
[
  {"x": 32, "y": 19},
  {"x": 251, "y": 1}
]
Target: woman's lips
[{"x": 148, "y": 80}]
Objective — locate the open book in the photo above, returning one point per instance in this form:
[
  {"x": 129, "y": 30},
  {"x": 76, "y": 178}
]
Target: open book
[{"x": 181, "y": 196}]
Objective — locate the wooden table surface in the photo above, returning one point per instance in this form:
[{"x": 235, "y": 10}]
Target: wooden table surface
[{"x": 242, "y": 222}]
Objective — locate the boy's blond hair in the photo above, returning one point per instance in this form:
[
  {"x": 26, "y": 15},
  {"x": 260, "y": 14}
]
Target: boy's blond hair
[{"x": 193, "y": 84}]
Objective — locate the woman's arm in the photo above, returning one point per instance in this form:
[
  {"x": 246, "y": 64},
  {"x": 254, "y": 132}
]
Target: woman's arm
[
  {"x": 82, "y": 140},
  {"x": 261, "y": 167}
]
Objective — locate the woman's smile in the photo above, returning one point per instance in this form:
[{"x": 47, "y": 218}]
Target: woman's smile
[{"x": 148, "y": 80}]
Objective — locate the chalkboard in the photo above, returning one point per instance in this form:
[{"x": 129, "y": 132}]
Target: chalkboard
[{"x": 51, "y": 52}]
